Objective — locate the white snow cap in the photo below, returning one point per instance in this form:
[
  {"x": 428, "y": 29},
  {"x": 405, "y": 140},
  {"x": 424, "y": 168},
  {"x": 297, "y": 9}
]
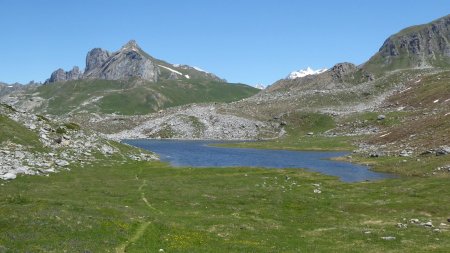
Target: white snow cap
[
  {"x": 305, "y": 72},
  {"x": 260, "y": 86}
]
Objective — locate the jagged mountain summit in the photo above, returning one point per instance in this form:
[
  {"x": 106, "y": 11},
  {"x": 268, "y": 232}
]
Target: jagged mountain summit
[
  {"x": 129, "y": 62},
  {"x": 305, "y": 72},
  {"x": 126, "y": 82}
]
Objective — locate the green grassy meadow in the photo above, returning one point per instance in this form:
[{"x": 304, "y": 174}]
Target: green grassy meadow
[
  {"x": 117, "y": 206},
  {"x": 136, "y": 97}
]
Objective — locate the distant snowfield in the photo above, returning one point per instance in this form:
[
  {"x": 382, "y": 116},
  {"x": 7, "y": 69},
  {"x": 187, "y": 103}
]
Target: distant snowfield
[
  {"x": 259, "y": 86},
  {"x": 305, "y": 72}
]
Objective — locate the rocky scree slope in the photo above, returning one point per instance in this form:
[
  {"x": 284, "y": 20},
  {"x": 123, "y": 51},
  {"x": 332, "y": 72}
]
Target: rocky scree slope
[
  {"x": 35, "y": 145},
  {"x": 197, "y": 121}
]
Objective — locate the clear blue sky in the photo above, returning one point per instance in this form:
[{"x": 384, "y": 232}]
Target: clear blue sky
[{"x": 248, "y": 41}]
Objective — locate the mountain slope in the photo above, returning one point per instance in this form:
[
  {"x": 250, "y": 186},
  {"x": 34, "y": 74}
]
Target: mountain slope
[
  {"x": 416, "y": 47},
  {"x": 419, "y": 46},
  {"x": 128, "y": 82},
  {"x": 127, "y": 63},
  {"x": 132, "y": 97}
]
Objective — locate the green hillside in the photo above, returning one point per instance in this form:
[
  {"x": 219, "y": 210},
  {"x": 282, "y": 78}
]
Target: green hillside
[
  {"x": 136, "y": 96},
  {"x": 13, "y": 132}
]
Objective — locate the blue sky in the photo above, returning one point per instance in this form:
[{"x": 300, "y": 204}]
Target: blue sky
[{"x": 248, "y": 41}]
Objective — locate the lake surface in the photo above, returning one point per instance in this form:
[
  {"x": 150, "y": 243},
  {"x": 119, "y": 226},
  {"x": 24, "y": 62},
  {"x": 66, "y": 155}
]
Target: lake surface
[{"x": 182, "y": 153}]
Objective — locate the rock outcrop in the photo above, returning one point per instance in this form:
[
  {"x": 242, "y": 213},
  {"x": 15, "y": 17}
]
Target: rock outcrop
[
  {"x": 65, "y": 144},
  {"x": 415, "y": 47},
  {"x": 130, "y": 62},
  {"x": 61, "y": 76},
  {"x": 95, "y": 59},
  {"x": 330, "y": 79}
]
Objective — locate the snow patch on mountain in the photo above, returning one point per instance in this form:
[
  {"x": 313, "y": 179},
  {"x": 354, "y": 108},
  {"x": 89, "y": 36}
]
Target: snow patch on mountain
[
  {"x": 173, "y": 70},
  {"x": 305, "y": 72},
  {"x": 183, "y": 66}
]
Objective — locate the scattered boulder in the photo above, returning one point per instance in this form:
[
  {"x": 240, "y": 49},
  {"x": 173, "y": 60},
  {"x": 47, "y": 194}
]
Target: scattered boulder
[
  {"x": 414, "y": 221},
  {"x": 376, "y": 153},
  {"x": 62, "y": 163},
  {"x": 8, "y": 176},
  {"x": 381, "y": 117},
  {"x": 405, "y": 153},
  {"x": 401, "y": 225},
  {"x": 444, "y": 150}
]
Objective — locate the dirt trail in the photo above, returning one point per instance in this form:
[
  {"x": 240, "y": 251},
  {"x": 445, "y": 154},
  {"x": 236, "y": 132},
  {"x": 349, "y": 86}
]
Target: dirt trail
[{"x": 141, "y": 229}]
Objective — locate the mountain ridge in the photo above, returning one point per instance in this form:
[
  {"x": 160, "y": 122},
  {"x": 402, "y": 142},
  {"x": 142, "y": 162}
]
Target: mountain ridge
[
  {"x": 420, "y": 46},
  {"x": 130, "y": 61}
]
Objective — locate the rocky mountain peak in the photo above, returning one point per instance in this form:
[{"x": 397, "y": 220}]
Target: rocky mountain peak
[
  {"x": 129, "y": 62},
  {"x": 305, "y": 72},
  {"x": 419, "y": 46},
  {"x": 95, "y": 59},
  {"x": 339, "y": 70},
  {"x": 131, "y": 45},
  {"x": 60, "y": 75}
]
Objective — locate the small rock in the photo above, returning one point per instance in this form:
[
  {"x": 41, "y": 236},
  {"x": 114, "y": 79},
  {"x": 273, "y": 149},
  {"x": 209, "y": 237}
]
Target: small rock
[
  {"x": 405, "y": 153},
  {"x": 437, "y": 230},
  {"x": 388, "y": 238},
  {"x": 317, "y": 191},
  {"x": 8, "y": 176},
  {"x": 444, "y": 150},
  {"x": 401, "y": 225},
  {"x": 376, "y": 154},
  {"x": 428, "y": 224},
  {"x": 58, "y": 140},
  {"x": 414, "y": 221},
  {"x": 61, "y": 163},
  {"x": 19, "y": 155},
  {"x": 381, "y": 117},
  {"x": 310, "y": 133}
]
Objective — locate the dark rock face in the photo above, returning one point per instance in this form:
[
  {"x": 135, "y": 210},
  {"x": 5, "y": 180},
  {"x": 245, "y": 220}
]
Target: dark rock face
[
  {"x": 418, "y": 46},
  {"x": 61, "y": 76},
  {"x": 128, "y": 62},
  {"x": 95, "y": 59},
  {"x": 339, "y": 70}
]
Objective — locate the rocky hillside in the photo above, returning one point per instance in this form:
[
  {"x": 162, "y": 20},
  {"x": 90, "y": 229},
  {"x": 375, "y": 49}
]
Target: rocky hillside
[
  {"x": 36, "y": 145},
  {"x": 129, "y": 62},
  {"x": 126, "y": 82},
  {"x": 421, "y": 46}
]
